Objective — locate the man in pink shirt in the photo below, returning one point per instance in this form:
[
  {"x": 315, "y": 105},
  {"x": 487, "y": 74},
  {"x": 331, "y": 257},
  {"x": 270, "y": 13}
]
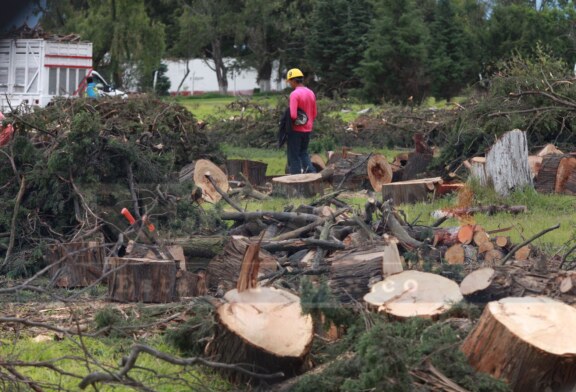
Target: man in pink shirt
[{"x": 302, "y": 112}]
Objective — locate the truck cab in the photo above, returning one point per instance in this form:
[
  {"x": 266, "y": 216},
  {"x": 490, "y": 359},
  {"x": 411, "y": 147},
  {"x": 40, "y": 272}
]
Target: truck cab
[{"x": 104, "y": 88}]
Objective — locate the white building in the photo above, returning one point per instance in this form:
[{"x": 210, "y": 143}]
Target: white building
[{"x": 202, "y": 78}]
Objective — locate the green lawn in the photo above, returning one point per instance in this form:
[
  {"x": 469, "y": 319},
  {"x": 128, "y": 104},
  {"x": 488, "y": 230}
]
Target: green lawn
[{"x": 205, "y": 107}]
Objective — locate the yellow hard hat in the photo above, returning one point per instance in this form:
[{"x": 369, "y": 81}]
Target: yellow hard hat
[{"x": 294, "y": 73}]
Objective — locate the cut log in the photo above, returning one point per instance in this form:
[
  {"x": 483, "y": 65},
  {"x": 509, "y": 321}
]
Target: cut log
[
  {"x": 204, "y": 167},
  {"x": 223, "y": 270},
  {"x": 379, "y": 171},
  {"x": 507, "y": 165},
  {"x": 76, "y": 264},
  {"x": 523, "y": 253},
  {"x": 318, "y": 162},
  {"x": 353, "y": 273},
  {"x": 530, "y": 342},
  {"x": 142, "y": 280},
  {"x": 253, "y": 171},
  {"x": 568, "y": 283},
  {"x": 414, "y": 294},
  {"x": 410, "y": 192},
  {"x": 492, "y": 257},
  {"x": 200, "y": 246},
  {"x": 502, "y": 241},
  {"x": 480, "y": 237},
  {"x": 455, "y": 254},
  {"x": 485, "y": 247},
  {"x": 545, "y": 182},
  {"x": 299, "y": 185},
  {"x": 261, "y": 327},
  {"x": 566, "y": 176},
  {"x": 535, "y": 163},
  {"x": 466, "y": 234},
  {"x": 485, "y": 285},
  {"x": 189, "y": 284}
]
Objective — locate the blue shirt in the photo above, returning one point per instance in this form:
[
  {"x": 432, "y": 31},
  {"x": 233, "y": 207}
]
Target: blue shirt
[{"x": 91, "y": 90}]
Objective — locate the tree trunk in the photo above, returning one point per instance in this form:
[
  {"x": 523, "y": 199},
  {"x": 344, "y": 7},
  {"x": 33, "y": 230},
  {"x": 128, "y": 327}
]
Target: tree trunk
[
  {"x": 78, "y": 264},
  {"x": 414, "y": 294},
  {"x": 566, "y": 176},
  {"x": 223, "y": 270},
  {"x": 200, "y": 246},
  {"x": 546, "y": 180},
  {"x": 507, "y": 165},
  {"x": 416, "y": 165},
  {"x": 353, "y": 273},
  {"x": 264, "y": 76},
  {"x": 185, "y": 76},
  {"x": 299, "y": 185},
  {"x": 220, "y": 67},
  {"x": 142, "y": 280},
  {"x": 253, "y": 171},
  {"x": 379, "y": 172},
  {"x": 189, "y": 284},
  {"x": 410, "y": 192},
  {"x": 529, "y": 342},
  {"x": 351, "y": 171}
]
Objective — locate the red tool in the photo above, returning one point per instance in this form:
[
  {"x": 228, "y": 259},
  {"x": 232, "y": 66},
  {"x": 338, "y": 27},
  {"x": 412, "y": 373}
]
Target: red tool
[
  {"x": 132, "y": 220},
  {"x": 161, "y": 252}
]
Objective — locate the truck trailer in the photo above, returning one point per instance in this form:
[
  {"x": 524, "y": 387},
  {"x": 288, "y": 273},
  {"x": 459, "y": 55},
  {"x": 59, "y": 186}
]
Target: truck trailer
[{"x": 35, "y": 70}]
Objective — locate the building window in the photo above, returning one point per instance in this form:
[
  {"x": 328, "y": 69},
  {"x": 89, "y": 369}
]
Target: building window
[{"x": 52, "y": 80}]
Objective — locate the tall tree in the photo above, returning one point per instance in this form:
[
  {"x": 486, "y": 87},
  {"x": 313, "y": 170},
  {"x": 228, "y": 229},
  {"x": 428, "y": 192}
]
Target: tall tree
[
  {"x": 337, "y": 40},
  {"x": 207, "y": 29},
  {"x": 394, "y": 64},
  {"x": 126, "y": 42},
  {"x": 451, "y": 66}
]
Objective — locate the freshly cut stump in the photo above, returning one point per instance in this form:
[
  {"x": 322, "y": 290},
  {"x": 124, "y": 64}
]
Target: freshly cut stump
[
  {"x": 528, "y": 341},
  {"x": 263, "y": 328},
  {"x": 410, "y": 192},
  {"x": 299, "y": 185},
  {"x": 204, "y": 167},
  {"x": 414, "y": 294}
]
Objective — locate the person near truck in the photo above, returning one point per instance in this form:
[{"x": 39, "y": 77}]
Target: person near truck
[
  {"x": 302, "y": 113},
  {"x": 91, "y": 90}
]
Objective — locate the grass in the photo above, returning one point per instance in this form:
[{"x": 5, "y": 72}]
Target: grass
[
  {"x": 104, "y": 355},
  {"x": 206, "y": 107}
]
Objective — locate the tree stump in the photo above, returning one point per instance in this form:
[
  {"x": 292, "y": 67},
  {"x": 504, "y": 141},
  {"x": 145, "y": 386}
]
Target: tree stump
[
  {"x": 351, "y": 171},
  {"x": 566, "y": 176},
  {"x": 299, "y": 185},
  {"x": 253, "y": 171},
  {"x": 477, "y": 169},
  {"x": 530, "y": 342},
  {"x": 223, "y": 270},
  {"x": 76, "y": 264},
  {"x": 379, "y": 171},
  {"x": 261, "y": 328},
  {"x": 189, "y": 284},
  {"x": 414, "y": 294},
  {"x": 545, "y": 182},
  {"x": 486, "y": 284},
  {"x": 416, "y": 165},
  {"x": 353, "y": 273},
  {"x": 142, "y": 280},
  {"x": 410, "y": 192},
  {"x": 507, "y": 165}
]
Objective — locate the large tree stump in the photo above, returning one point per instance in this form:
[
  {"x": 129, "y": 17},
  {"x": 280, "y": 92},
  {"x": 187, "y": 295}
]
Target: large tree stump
[
  {"x": 416, "y": 165},
  {"x": 261, "y": 328},
  {"x": 566, "y": 176},
  {"x": 507, "y": 165},
  {"x": 253, "y": 171},
  {"x": 299, "y": 185},
  {"x": 351, "y": 171},
  {"x": 223, "y": 270},
  {"x": 530, "y": 342},
  {"x": 76, "y": 264},
  {"x": 414, "y": 294},
  {"x": 353, "y": 273},
  {"x": 142, "y": 280},
  {"x": 545, "y": 182},
  {"x": 410, "y": 192}
]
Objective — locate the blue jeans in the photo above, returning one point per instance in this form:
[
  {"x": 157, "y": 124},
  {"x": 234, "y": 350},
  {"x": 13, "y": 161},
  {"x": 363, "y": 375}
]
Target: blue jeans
[{"x": 298, "y": 157}]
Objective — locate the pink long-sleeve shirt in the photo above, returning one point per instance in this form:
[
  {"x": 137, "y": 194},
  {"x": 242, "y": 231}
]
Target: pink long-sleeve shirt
[{"x": 303, "y": 98}]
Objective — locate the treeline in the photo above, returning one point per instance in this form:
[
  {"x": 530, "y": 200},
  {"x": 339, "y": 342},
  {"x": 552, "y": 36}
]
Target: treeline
[{"x": 393, "y": 50}]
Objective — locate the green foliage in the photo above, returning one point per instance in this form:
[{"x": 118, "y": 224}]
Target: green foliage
[
  {"x": 317, "y": 300},
  {"x": 386, "y": 354},
  {"x": 394, "y": 63},
  {"x": 191, "y": 337},
  {"x": 108, "y": 317}
]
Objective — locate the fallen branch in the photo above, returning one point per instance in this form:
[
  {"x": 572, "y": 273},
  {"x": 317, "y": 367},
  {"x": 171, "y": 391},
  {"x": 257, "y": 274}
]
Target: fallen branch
[
  {"x": 311, "y": 226},
  {"x": 130, "y": 362},
  {"x": 223, "y": 194},
  {"x": 511, "y": 253}
]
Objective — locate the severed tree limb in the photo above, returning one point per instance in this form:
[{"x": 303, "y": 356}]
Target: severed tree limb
[
  {"x": 565, "y": 257},
  {"x": 130, "y": 362},
  {"x": 321, "y": 252},
  {"x": 317, "y": 222},
  {"x": 295, "y": 217},
  {"x": 299, "y": 244},
  {"x": 513, "y": 250},
  {"x": 223, "y": 194},
  {"x": 13, "y": 223},
  {"x": 396, "y": 228}
]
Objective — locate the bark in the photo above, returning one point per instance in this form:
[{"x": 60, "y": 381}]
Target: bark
[
  {"x": 410, "y": 192},
  {"x": 527, "y": 341},
  {"x": 299, "y": 185},
  {"x": 76, "y": 264}
]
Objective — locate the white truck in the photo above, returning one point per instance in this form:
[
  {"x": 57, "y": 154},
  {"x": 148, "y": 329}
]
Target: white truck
[{"x": 33, "y": 71}]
